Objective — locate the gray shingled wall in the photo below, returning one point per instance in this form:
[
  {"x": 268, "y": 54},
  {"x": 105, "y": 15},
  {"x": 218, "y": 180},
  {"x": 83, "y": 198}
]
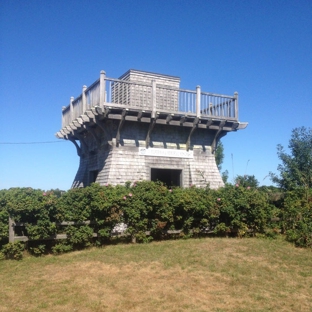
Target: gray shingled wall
[{"x": 117, "y": 165}]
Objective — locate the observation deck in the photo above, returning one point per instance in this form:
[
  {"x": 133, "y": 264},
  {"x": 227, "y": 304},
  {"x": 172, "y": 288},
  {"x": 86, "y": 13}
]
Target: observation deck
[{"x": 160, "y": 98}]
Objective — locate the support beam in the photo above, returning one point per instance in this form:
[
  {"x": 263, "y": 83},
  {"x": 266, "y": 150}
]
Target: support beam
[
  {"x": 235, "y": 125},
  {"x": 94, "y": 110},
  {"x": 80, "y": 121},
  {"x": 76, "y": 145},
  {"x": 67, "y": 130},
  {"x": 140, "y": 113},
  {"x": 121, "y": 123},
  {"x": 85, "y": 118},
  {"x": 188, "y": 142},
  {"x": 72, "y": 126},
  {"x": 77, "y": 124},
  {"x": 82, "y": 141},
  {"x": 63, "y": 132},
  {"x": 90, "y": 114},
  {"x": 59, "y": 135},
  {"x": 209, "y": 123},
  {"x": 106, "y": 111},
  {"x": 150, "y": 129},
  {"x": 99, "y": 110},
  {"x": 217, "y": 136},
  {"x": 242, "y": 125},
  {"x": 169, "y": 117}
]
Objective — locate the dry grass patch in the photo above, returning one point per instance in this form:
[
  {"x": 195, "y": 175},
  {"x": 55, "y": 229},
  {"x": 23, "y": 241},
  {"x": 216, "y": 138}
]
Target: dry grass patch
[{"x": 185, "y": 275}]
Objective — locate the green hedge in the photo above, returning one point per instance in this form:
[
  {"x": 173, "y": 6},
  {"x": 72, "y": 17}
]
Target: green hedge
[
  {"x": 151, "y": 207},
  {"x": 297, "y": 217}
]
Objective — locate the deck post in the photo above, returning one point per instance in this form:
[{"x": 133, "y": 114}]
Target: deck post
[
  {"x": 153, "y": 98},
  {"x": 198, "y": 101},
  {"x": 236, "y": 105},
  {"x": 11, "y": 230},
  {"x": 84, "y": 99},
  {"x": 71, "y": 108},
  {"x": 102, "y": 88},
  {"x": 63, "y": 118}
]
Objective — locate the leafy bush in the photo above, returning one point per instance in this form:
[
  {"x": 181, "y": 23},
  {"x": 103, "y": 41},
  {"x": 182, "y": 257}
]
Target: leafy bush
[
  {"x": 297, "y": 217},
  {"x": 74, "y": 205},
  {"x": 194, "y": 209},
  {"x": 222, "y": 229},
  {"x": 79, "y": 236},
  {"x": 105, "y": 210},
  {"x": 244, "y": 209},
  {"x": 4, "y": 217},
  {"x": 145, "y": 208},
  {"x": 62, "y": 247},
  {"x": 38, "y": 250},
  {"x": 35, "y": 208},
  {"x": 13, "y": 251}
]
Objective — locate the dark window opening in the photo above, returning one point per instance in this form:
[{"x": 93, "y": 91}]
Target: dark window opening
[
  {"x": 170, "y": 177},
  {"x": 92, "y": 176}
]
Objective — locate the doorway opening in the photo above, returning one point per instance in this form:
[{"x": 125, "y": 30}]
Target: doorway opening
[{"x": 170, "y": 177}]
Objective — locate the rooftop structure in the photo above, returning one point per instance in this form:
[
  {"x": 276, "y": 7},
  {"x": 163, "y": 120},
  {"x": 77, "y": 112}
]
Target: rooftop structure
[{"x": 142, "y": 126}]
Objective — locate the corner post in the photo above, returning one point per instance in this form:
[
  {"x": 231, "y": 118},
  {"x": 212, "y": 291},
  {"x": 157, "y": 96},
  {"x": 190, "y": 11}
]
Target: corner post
[
  {"x": 236, "y": 104},
  {"x": 198, "y": 101},
  {"x": 63, "y": 117},
  {"x": 153, "y": 98},
  {"x": 11, "y": 230},
  {"x": 84, "y": 99},
  {"x": 71, "y": 108},
  {"x": 102, "y": 88}
]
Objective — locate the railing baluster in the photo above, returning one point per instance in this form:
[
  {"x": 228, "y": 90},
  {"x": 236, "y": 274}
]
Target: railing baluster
[
  {"x": 197, "y": 101},
  {"x": 236, "y": 105},
  {"x": 153, "y": 98},
  {"x": 102, "y": 88},
  {"x": 84, "y": 101}
]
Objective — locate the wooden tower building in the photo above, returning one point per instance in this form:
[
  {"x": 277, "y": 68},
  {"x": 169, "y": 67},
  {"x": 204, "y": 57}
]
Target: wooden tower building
[{"x": 142, "y": 126}]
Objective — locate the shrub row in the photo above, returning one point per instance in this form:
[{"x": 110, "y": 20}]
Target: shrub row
[
  {"x": 151, "y": 207},
  {"x": 297, "y": 217}
]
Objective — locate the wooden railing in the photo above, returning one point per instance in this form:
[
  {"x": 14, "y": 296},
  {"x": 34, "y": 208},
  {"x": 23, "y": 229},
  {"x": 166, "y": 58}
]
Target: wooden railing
[{"x": 150, "y": 97}]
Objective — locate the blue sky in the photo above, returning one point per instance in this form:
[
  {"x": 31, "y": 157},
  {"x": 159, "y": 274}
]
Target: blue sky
[{"x": 50, "y": 49}]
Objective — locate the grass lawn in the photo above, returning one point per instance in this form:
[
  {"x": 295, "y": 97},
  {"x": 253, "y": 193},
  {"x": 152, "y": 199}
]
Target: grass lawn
[{"x": 209, "y": 274}]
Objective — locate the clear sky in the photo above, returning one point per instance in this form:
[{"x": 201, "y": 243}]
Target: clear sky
[{"x": 50, "y": 49}]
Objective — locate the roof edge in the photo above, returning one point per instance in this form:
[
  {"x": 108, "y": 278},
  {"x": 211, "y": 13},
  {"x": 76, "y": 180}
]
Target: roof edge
[{"x": 147, "y": 72}]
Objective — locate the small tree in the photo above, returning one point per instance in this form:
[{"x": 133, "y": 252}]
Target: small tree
[
  {"x": 247, "y": 180},
  {"x": 225, "y": 176},
  {"x": 296, "y": 168},
  {"x": 219, "y": 155}
]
